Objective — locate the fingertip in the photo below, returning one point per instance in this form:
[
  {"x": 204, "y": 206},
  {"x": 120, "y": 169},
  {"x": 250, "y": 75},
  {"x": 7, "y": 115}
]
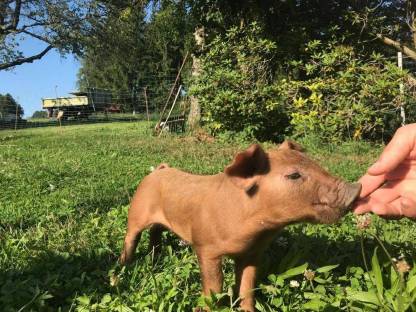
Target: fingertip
[
  {"x": 370, "y": 183},
  {"x": 377, "y": 168}
]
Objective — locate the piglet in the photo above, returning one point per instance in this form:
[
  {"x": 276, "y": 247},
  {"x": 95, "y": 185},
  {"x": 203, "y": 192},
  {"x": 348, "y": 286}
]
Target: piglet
[{"x": 238, "y": 212}]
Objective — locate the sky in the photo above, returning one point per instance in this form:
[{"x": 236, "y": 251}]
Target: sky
[{"x": 50, "y": 76}]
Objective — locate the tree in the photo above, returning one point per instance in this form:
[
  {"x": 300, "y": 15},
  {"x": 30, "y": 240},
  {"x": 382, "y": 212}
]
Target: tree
[
  {"x": 40, "y": 114},
  {"x": 9, "y": 106},
  {"x": 393, "y": 23},
  {"x": 111, "y": 55},
  {"x": 61, "y": 24},
  {"x": 140, "y": 45}
]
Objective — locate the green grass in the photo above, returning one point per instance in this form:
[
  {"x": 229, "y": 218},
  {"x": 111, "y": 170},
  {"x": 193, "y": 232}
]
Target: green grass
[{"x": 63, "y": 204}]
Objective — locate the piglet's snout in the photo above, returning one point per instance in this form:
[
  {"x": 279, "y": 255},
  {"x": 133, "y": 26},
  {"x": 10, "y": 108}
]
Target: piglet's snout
[
  {"x": 341, "y": 195},
  {"x": 351, "y": 193}
]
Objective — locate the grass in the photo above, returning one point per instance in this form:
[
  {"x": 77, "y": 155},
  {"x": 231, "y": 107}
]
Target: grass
[{"x": 63, "y": 204}]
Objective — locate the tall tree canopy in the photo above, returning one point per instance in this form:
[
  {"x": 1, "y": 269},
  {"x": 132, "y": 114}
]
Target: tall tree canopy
[
  {"x": 148, "y": 38},
  {"x": 9, "y": 106},
  {"x": 136, "y": 42},
  {"x": 61, "y": 24}
]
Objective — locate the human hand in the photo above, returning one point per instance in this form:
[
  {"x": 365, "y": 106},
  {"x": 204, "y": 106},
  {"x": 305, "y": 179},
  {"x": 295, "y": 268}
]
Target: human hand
[{"x": 389, "y": 186}]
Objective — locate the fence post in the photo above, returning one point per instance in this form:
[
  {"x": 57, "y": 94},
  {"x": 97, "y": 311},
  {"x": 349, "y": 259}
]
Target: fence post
[
  {"x": 15, "y": 122},
  {"x": 401, "y": 86},
  {"x": 145, "y": 101}
]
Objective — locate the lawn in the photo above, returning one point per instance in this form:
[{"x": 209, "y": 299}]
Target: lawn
[{"x": 63, "y": 205}]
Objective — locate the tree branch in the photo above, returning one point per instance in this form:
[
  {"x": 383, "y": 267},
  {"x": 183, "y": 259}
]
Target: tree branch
[
  {"x": 398, "y": 46},
  {"x": 44, "y": 39},
  {"x": 23, "y": 60},
  {"x": 16, "y": 15},
  {"x": 15, "y": 20}
]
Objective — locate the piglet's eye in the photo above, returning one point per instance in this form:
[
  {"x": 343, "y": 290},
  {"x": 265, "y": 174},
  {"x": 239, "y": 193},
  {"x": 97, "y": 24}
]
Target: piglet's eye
[{"x": 293, "y": 176}]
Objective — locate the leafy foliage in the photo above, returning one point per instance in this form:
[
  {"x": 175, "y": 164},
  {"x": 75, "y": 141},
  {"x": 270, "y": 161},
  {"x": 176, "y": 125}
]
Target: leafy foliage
[
  {"x": 64, "y": 25},
  {"x": 40, "y": 114},
  {"x": 270, "y": 68},
  {"x": 336, "y": 93},
  {"x": 138, "y": 46},
  {"x": 345, "y": 96},
  {"x": 235, "y": 89},
  {"x": 9, "y": 106}
]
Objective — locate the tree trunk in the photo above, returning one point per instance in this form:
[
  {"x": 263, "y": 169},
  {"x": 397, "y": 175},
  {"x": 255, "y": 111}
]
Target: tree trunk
[
  {"x": 194, "y": 116},
  {"x": 411, "y": 15}
]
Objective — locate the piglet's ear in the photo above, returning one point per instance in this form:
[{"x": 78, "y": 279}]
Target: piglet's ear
[
  {"x": 287, "y": 144},
  {"x": 247, "y": 166}
]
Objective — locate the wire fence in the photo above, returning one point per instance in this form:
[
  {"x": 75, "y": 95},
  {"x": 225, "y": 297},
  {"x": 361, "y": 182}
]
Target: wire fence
[
  {"x": 94, "y": 105},
  {"x": 153, "y": 98}
]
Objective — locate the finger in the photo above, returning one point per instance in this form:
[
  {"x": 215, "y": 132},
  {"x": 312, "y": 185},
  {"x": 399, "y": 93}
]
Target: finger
[
  {"x": 385, "y": 194},
  {"x": 361, "y": 206},
  {"x": 401, "y": 187},
  {"x": 395, "y": 152},
  {"x": 406, "y": 170},
  {"x": 370, "y": 183},
  {"x": 381, "y": 209}
]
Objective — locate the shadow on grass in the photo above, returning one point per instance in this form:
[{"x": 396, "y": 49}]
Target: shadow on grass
[{"x": 62, "y": 276}]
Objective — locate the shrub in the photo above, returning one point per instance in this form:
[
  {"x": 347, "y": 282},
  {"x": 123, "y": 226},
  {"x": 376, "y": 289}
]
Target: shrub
[
  {"x": 345, "y": 96},
  {"x": 235, "y": 89},
  {"x": 337, "y": 94}
]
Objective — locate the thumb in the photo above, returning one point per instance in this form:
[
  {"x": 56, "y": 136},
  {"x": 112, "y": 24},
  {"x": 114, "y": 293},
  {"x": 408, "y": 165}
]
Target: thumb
[{"x": 395, "y": 152}]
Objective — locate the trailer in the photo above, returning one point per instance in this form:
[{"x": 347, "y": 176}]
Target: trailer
[{"x": 80, "y": 105}]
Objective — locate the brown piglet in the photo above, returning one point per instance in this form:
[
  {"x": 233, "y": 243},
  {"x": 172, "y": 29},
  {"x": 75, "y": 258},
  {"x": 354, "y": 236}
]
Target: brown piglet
[{"x": 236, "y": 213}]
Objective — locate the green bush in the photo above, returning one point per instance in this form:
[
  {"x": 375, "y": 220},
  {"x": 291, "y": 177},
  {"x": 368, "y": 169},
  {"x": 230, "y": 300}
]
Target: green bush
[
  {"x": 344, "y": 96},
  {"x": 235, "y": 88},
  {"x": 337, "y": 94}
]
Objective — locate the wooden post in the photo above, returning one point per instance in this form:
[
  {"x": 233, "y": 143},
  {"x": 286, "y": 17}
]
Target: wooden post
[
  {"x": 401, "y": 86},
  {"x": 171, "y": 109},
  {"x": 145, "y": 101},
  {"x": 15, "y": 122},
  {"x": 172, "y": 89}
]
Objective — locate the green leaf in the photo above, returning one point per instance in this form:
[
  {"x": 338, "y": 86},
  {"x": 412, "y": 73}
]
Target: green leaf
[
  {"x": 394, "y": 278},
  {"x": 311, "y": 295},
  {"x": 162, "y": 307},
  {"x": 320, "y": 280},
  {"x": 294, "y": 271},
  {"x": 411, "y": 284},
  {"x": 315, "y": 305},
  {"x": 327, "y": 268},
  {"x": 84, "y": 300},
  {"x": 378, "y": 278},
  {"x": 364, "y": 296},
  {"x": 291, "y": 258},
  {"x": 125, "y": 308},
  {"x": 106, "y": 299}
]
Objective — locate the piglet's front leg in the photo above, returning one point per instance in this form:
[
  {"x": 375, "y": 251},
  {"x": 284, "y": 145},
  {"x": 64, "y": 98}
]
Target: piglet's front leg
[
  {"x": 245, "y": 275},
  {"x": 211, "y": 273}
]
